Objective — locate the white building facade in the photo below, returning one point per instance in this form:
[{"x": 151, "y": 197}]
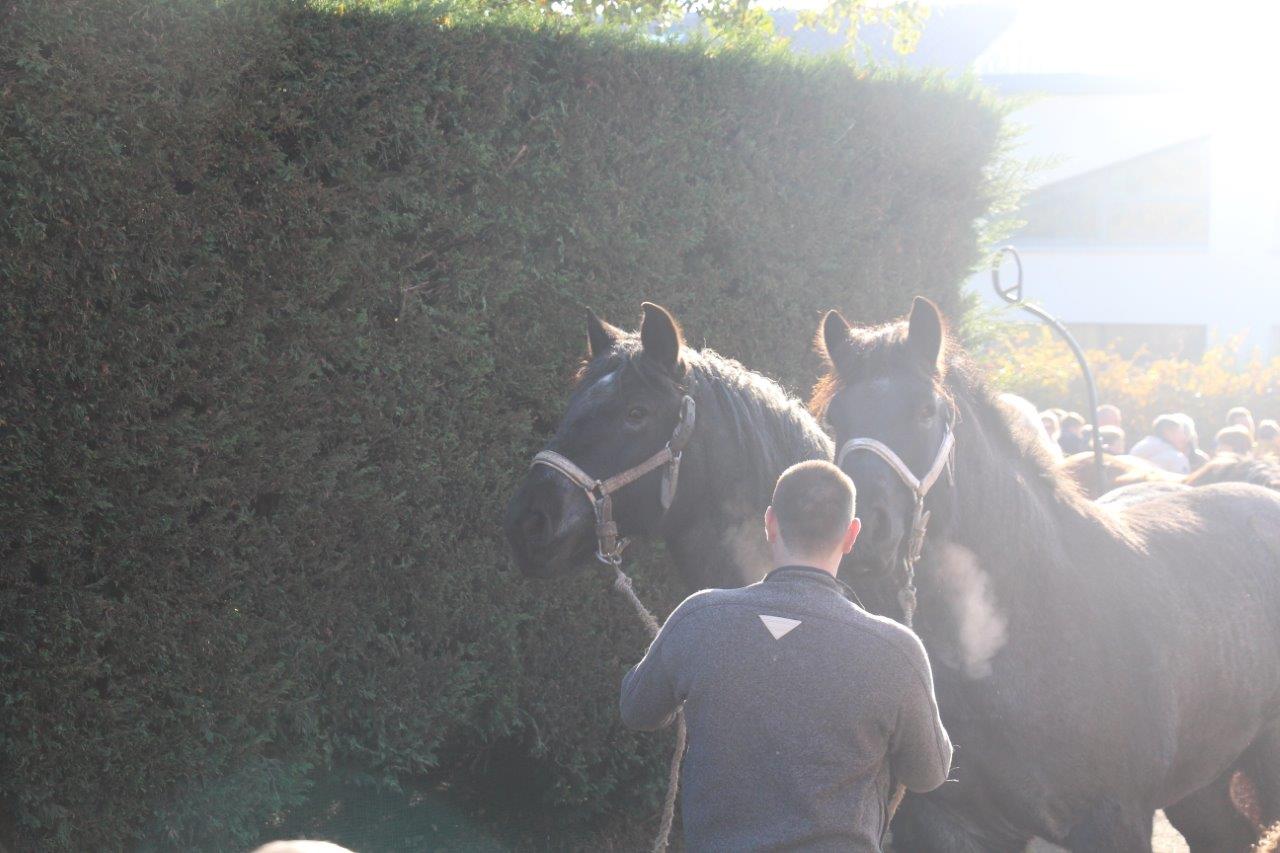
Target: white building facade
[{"x": 1155, "y": 223}]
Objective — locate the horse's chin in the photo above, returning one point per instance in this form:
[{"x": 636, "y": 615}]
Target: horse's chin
[{"x": 555, "y": 562}]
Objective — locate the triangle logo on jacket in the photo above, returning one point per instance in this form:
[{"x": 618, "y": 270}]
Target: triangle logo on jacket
[{"x": 779, "y": 626}]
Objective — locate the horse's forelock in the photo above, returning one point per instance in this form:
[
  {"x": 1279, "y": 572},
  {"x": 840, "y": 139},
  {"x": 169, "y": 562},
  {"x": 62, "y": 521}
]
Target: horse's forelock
[
  {"x": 874, "y": 351},
  {"x": 625, "y": 358}
]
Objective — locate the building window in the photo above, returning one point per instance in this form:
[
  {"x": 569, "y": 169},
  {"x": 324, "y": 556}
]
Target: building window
[
  {"x": 1160, "y": 199},
  {"x": 1157, "y": 340}
]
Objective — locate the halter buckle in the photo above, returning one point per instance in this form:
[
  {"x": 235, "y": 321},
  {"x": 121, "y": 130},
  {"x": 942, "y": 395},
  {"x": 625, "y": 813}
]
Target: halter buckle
[{"x": 670, "y": 479}]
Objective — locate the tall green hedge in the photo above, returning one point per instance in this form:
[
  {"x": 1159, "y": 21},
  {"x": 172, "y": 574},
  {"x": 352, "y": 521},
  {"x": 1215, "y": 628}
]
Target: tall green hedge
[{"x": 289, "y": 294}]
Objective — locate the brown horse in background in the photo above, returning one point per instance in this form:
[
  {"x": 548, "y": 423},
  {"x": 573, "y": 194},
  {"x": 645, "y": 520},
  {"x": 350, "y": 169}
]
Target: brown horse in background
[
  {"x": 1119, "y": 471},
  {"x": 1125, "y": 470}
]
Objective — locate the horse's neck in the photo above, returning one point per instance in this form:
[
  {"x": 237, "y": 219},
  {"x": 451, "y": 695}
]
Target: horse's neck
[
  {"x": 715, "y": 530},
  {"x": 747, "y": 442},
  {"x": 1001, "y": 546},
  {"x": 721, "y": 552},
  {"x": 1009, "y": 504}
]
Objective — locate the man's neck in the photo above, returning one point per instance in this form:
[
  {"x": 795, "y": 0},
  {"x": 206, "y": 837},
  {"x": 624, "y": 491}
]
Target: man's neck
[{"x": 805, "y": 562}]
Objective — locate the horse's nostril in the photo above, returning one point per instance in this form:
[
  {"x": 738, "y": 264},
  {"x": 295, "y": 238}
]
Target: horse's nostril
[{"x": 537, "y": 527}]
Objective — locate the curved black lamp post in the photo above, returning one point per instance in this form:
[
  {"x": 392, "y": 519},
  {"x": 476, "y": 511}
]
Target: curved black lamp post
[{"x": 1013, "y": 296}]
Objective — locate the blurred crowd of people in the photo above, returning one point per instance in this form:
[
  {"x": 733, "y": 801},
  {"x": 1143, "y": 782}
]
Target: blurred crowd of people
[{"x": 1173, "y": 443}]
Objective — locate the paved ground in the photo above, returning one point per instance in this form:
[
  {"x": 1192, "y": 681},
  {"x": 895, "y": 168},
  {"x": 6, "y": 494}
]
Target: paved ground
[{"x": 1165, "y": 839}]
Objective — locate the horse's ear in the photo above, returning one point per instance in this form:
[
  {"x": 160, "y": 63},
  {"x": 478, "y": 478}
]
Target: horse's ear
[
  {"x": 601, "y": 337},
  {"x": 925, "y": 333},
  {"x": 833, "y": 339},
  {"x": 660, "y": 337}
]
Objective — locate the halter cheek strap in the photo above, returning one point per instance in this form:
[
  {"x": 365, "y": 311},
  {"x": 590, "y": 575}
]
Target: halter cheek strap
[
  {"x": 600, "y": 492},
  {"x": 919, "y": 516}
]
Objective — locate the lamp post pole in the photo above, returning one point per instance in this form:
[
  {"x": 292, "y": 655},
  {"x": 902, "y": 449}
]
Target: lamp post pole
[{"x": 1013, "y": 296}]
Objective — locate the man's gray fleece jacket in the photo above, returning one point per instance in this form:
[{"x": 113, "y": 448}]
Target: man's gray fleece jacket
[{"x": 802, "y": 708}]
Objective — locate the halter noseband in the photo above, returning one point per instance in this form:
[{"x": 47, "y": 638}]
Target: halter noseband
[
  {"x": 919, "y": 516},
  {"x": 608, "y": 546}
]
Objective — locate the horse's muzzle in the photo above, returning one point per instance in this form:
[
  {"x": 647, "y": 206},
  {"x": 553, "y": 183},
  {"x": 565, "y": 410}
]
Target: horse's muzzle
[{"x": 549, "y": 525}]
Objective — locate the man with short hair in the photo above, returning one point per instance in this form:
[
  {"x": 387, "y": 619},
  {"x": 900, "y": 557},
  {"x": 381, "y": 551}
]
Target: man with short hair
[
  {"x": 1269, "y": 437},
  {"x": 1241, "y": 416},
  {"x": 1111, "y": 438},
  {"x": 803, "y": 710},
  {"x": 1071, "y": 439},
  {"x": 1233, "y": 439}
]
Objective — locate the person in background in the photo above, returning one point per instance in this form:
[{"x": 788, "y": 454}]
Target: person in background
[
  {"x": 1165, "y": 445},
  {"x": 1233, "y": 439},
  {"x": 1111, "y": 438},
  {"x": 1195, "y": 456},
  {"x": 1052, "y": 426},
  {"x": 1269, "y": 437},
  {"x": 1071, "y": 433},
  {"x": 1241, "y": 416},
  {"x": 1109, "y": 415},
  {"x": 804, "y": 711}
]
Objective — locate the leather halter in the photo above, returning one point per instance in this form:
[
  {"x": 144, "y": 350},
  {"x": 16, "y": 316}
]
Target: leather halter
[
  {"x": 919, "y": 516},
  {"x": 608, "y": 546}
]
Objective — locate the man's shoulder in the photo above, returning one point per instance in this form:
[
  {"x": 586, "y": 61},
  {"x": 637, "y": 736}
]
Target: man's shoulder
[
  {"x": 708, "y": 599},
  {"x": 894, "y": 634},
  {"x": 1151, "y": 445}
]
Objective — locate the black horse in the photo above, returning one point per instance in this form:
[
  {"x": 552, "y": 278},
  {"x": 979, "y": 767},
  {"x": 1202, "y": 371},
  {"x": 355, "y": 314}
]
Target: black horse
[
  {"x": 624, "y": 407},
  {"x": 1092, "y": 665}
]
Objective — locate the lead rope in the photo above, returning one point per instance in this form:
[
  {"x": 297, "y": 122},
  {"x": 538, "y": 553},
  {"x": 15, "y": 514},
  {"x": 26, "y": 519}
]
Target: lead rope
[
  {"x": 907, "y": 601},
  {"x": 623, "y": 584},
  {"x": 609, "y": 548}
]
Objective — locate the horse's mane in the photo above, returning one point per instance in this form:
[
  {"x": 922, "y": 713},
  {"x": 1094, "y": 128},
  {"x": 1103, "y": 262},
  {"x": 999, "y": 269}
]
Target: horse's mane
[
  {"x": 761, "y": 429},
  {"x": 1232, "y": 468},
  {"x": 1026, "y": 495}
]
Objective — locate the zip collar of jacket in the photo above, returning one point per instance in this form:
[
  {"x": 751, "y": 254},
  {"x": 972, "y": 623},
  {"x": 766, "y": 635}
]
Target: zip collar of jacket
[
  {"x": 802, "y": 572},
  {"x": 820, "y": 576}
]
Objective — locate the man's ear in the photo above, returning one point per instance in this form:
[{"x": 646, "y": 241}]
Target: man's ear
[
  {"x": 925, "y": 334},
  {"x": 770, "y": 525},
  {"x": 601, "y": 337},
  {"x": 833, "y": 338},
  {"x": 660, "y": 337},
  {"x": 851, "y": 535}
]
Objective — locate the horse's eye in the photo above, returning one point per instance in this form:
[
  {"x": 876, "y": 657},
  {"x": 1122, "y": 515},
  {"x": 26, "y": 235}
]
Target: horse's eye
[
  {"x": 929, "y": 410},
  {"x": 637, "y": 413}
]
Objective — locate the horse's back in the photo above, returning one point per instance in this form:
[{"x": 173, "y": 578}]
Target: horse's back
[
  {"x": 1212, "y": 609},
  {"x": 1215, "y": 550},
  {"x": 1135, "y": 493}
]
